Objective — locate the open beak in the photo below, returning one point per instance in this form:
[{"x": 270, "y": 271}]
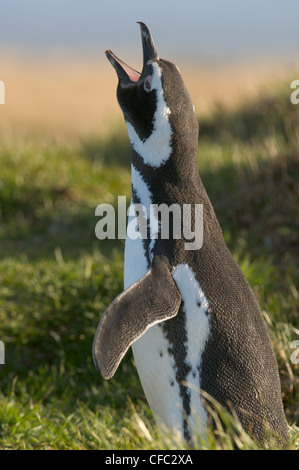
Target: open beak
[{"x": 126, "y": 74}]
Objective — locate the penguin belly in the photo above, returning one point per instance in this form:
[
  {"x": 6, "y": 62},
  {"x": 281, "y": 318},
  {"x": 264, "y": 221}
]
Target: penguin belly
[
  {"x": 168, "y": 355},
  {"x": 156, "y": 369}
]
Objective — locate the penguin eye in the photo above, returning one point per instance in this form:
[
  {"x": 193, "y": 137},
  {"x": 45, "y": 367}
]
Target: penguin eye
[{"x": 148, "y": 84}]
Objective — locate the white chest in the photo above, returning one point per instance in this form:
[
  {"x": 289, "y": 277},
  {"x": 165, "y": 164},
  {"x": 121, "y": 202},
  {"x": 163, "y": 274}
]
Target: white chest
[{"x": 156, "y": 367}]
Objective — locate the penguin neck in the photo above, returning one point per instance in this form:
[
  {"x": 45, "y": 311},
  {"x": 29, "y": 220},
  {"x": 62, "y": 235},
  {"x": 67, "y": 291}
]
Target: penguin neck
[
  {"x": 184, "y": 158},
  {"x": 179, "y": 168}
]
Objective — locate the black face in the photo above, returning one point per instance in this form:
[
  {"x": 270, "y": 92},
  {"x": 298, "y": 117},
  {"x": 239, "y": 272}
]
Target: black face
[
  {"x": 138, "y": 104},
  {"x": 138, "y": 100}
]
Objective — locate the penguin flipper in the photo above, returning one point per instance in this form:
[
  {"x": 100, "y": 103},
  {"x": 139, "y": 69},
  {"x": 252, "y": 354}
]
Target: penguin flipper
[{"x": 152, "y": 299}]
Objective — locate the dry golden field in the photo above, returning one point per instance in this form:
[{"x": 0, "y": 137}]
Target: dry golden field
[{"x": 76, "y": 96}]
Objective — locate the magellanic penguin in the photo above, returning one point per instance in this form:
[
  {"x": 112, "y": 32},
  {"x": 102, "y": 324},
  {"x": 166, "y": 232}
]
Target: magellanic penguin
[{"x": 190, "y": 314}]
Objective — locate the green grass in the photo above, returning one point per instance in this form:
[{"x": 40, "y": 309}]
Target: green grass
[{"x": 56, "y": 278}]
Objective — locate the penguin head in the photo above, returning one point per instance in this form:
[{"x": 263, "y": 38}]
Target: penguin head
[{"x": 155, "y": 100}]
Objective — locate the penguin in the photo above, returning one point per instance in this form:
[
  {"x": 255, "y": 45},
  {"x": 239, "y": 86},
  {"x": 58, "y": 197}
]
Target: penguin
[{"x": 190, "y": 315}]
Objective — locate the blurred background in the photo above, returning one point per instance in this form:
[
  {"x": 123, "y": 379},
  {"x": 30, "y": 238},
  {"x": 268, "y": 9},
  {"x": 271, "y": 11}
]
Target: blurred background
[
  {"x": 58, "y": 80},
  {"x": 64, "y": 149}
]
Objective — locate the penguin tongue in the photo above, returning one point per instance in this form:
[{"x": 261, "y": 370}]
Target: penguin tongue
[{"x": 126, "y": 73}]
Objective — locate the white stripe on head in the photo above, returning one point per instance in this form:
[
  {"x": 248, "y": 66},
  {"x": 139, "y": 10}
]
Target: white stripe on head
[{"x": 156, "y": 149}]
